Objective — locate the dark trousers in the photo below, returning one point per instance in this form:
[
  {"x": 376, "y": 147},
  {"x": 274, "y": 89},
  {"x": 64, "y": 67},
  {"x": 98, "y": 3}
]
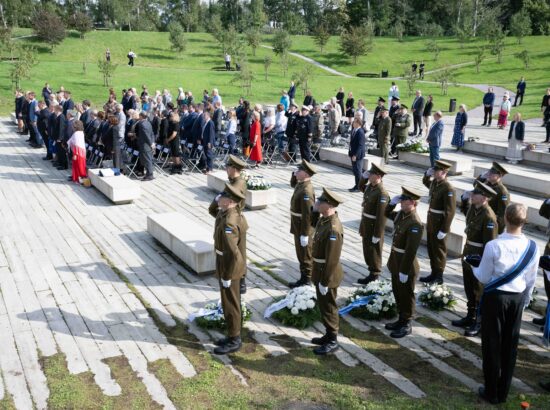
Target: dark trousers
[
  {"x": 500, "y": 323},
  {"x": 146, "y": 159},
  {"x": 472, "y": 287},
  {"x": 227, "y": 65},
  {"x": 305, "y": 152},
  {"x": 131, "y": 61},
  {"x": 209, "y": 154},
  {"x": 357, "y": 168},
  {"x": 231, "y": 305},
  {"x": 547, "y": 131},
  {"x": 519, "y": 96},
  {"x": 417, "y": 121},
  {"x": 62, "y": 155},
  {"x": 487, "y": 115},
  {"x": 329, "y": 311}
]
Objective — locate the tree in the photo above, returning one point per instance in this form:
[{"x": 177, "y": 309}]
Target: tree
[
  {"x": 411, "y": 78},
  {"x": 229, "y": 40},
  {"x": 177, "y": 37},
  {"x": 303, "y": 77},
  {"x": 433, "y": 47},
  {"x": 107, "y": 69},
  {"x": 81, "y": 22},
  {"x": 23, "y": 64},
  {"x": 463, "y": 34},
  {"x": 285, "y": 61},
  {"x": 444, "y": 77},
  {"x": 497, "y": 43},
  {"x": 48, "y": 27},
  {"x": 267, "y": 62},
  {"x": 520, "y": 25},
  {"x": 321, "y": 36},
  {"x": 244, "y": 77},
  {"x": 356, "y": 42},
  {"x": 399, "y": 30},
  {"x": 479, "y": 57},
  {"x": 281, "y": 42},
  {"x": 253, "y": 39},
  {"x": 524, "y": 58}
]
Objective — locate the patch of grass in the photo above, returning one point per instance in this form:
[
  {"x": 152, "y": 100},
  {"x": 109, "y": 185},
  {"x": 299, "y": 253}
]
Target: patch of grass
[{"x": 7, "y": 402}]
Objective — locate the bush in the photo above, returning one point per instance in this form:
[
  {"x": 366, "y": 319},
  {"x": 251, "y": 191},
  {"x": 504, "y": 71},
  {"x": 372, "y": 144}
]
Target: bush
[
  {"x": 81, "y": 23},
  {"x": 48, "y": 27}
]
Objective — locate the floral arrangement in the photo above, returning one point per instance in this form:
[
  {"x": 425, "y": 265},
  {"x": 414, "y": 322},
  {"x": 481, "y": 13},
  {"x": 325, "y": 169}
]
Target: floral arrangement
[
  {"x": 374, "y": 301},
  {"x": 297, "y": 309},
  {"x": 437, "y": 297},
  {"x": 211, "y": 316},
  {"x": 255, "y": 182},
  {"x": 413, "y": 145}
]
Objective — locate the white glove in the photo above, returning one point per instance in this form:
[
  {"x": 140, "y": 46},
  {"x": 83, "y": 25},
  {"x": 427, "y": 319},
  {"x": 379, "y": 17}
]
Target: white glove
[
  {"x": 304, "y": 240},
  {"x": 395, "y": 200},
  {"x": 430, "y": 172},
  {"x": 226, "y": 283},
  {"x": 218, "y": 197},
  {"x": 441, "y": 235},
  {"x": 403, "y": 278},
  {"x": 466, "y": 195},
  {"x": 547, "y": 273},
  {"x": 375, "y": 240},
  {"x": 366, "y": 174},
  {"x": 322, "y": 289}
]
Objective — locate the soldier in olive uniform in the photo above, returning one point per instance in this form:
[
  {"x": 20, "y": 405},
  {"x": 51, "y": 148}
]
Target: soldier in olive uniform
[
  {"x": 481, "y": 227},
  {"x": 301, "y": 211},
  {"x": 327, "y": 272},
  {"x": 500, "y": 201},
  {"x": 233, "y": 167},
  {"x": 384, "y": 133},
  {"x": 402, "y": 264},
  {"x": 440, "y": 216},
  {"x": 401, "y": 125},
  {"x": 229, "y": 233},
  {"x": 544, "y": 211},
  {"x": 373, "y": 222}
]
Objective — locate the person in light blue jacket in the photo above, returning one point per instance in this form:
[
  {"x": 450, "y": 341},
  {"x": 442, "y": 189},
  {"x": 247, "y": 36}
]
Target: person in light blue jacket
[{"x": 435, "y": 136}]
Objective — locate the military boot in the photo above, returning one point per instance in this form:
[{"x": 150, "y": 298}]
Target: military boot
[
  {"x": 427, "y": 279},
  {"x": 394, "y": 325},
  {"x": 303, "y": 281},
  {"x": 473, "y": 330},
  {"x": 368, "y": 279},
  {"x": 233, "y": 344},
  {"x": 221, "y": 342},
  {"x": 404, "y": 330},
  {"x": 320, "y": 340},
  {"x": 327, "y": 348},
  {"x": 467, "y": 321},
  {"x": 539, "y": 321}
]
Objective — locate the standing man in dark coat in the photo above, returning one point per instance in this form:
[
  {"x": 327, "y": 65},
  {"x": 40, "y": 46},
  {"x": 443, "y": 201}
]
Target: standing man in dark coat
[
  {"x": 304, "y": 133},
  {"x": 488, "y": 103},
  {"x": 62, "y": 161},
  {"x": 417, "y": 108},
  {"x": 520, "y": 91},
  {"x": 68, "y": 104},
  {"x": 208, "y": 141},
  {"x": 292, "y": 92},
  {"x": 46, "y": 93},
  {"x": 357, "y": 151},
  {"x": 376, "y": 115},
  {"x": 145, "y": 140},
  {"x": 291, "y": 127}
]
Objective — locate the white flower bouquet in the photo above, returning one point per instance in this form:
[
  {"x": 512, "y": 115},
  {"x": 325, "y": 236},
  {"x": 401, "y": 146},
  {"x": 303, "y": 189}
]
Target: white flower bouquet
[
  {"x": 413, "y": 145},
  {"x": 297, "y": 309},
  {"x": 255, "y": 182},
  {"x": 211, "y": 315},
  {"x": 374, "y": 301},
  {"x": 437, "y": 297}
]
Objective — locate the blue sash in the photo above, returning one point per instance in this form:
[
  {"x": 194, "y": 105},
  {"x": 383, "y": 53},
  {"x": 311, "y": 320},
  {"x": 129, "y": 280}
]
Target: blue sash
[{"x": 546, "y": 331}]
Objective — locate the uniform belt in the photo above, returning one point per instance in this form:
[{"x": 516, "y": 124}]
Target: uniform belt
[
  {"x": 296, "y": 214},
  {"x": 219, "y": 252},
  {"x": 319, "y": 260},
  {"x": 369, "y": 216},
  {"x": 398, "y": 250},
  {"x": 476, "y": 244},
  {"x": 437, "y": 211}
]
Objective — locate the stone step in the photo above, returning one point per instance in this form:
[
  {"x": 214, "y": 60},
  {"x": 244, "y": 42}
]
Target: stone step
[
  {"x": 255, "y": 199},
  {"x": 459, "y": 163},
  {"x": 339, "y": 156},
  {"x": 119, "y": 189},
  {"x": 538, "y": 158},
  {"x": 522, "y": 180}
]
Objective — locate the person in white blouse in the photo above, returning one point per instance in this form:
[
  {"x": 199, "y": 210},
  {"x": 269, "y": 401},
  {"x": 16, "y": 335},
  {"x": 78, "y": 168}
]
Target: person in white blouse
[{"x": 508, "y": 270}]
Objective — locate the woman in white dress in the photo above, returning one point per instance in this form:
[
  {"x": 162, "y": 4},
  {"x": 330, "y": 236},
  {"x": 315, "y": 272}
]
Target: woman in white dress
[{"x": 515, "y": 140}]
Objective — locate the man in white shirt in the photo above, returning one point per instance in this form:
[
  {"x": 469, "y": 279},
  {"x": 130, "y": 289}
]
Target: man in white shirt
[{"x": 506, "y": 295}]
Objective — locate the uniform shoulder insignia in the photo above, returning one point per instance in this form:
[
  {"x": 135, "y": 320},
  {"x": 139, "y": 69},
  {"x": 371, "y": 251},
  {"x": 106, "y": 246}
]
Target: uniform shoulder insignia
[
  {"x": 228, "y": 229},
  {"x": 415, "y": 229},
  {"x": 504, "y": 197},
  {"x": 383, "y": 199},
  {"x": 450, "y": 193},
  {"x": 490, "y": 225},
  {"x": 306, "y": 197},
  {"x": 332, "y": 237}
]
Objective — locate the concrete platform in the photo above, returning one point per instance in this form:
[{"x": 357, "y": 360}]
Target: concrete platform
[
  {"x": 460, "y": 163},
  {"x": 119, "y": 189},
  {"x": 539, "y": 158},
  {"x": 339, "y": 156},
  {"x": 529, "y": 182},
  {"x": 254, "y": 199},
  {"x": 186, "y": 238}
]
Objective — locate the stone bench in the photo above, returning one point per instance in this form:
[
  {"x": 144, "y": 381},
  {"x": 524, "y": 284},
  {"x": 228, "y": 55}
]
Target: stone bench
[
  {"x": 532, "y": 204},
  {"x": 186, "y": 238},
  {"x": 254, "y": 199},
  {"x": 459, "y": 163},
  {"x": 539, "y": 158},
  {"x": 339, "y": 156},
  {"x": 119, "y": 189},
  {"x": 530, "y": 182}
]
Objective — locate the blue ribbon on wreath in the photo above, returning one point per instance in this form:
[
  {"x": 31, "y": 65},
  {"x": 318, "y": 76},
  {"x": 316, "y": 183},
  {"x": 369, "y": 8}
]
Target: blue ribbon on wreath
[{"x": 365, "y": 300}]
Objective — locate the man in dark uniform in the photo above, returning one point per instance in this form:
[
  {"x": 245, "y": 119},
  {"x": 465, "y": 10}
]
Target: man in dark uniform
[
  {"x": 327, "y": 271},
  {"x": 500, "y": 201},
  {"x": 442, "y": 201},
  {"x": 373, "y": 221},
  {"x": 481, "y": 227},
  {"x": 376, "y": 116},
  {"x": 402, "y": 264},
  {"x": 384, "y": 134},
  {"x": 304, "y": 132},
  {"x": 229, "y": 234},
  {"x": 394, "y": 107},
  {"x": 233, "y": 167},
  {"x": 544, "y": 211},
  {"x": 301, "y": 211},
  {"x": 145, "y": 140},
  {"x": 291, "y": 127}
]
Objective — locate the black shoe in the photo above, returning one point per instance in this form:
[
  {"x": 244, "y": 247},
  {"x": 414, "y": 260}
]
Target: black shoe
[
  {"x": 62, "y": 168},
  {"x": 242, "y": 285},
  {"x": 539, "y": 321},
  {"x": 432, "y": 278},
  {"x": 300, "y": 282},
  {"x": 484, "y": 124},
  {"x": 473, "y": 330},
  {"x": 37, "y": 146},
  {"x": 69, "y": 178},
  {"x": 233, "y": 344},
  {"x": 464, "y": 322},
  {"x": 545, "y": 386},
  {"x": 368, "y": 279},
  {"x": 320, "y": 340},
  {"x": 403, "y": 331},
  {"x": 148, "y": 178},
  {"x": 354, "y": 189},
  {"x": 222, "y": 342},
  {"x": 46, "y": 158},
  {"x": 481, "y": 393},
  {"x": 327, "y": 348},
  {"x": 394, "y": 325}
]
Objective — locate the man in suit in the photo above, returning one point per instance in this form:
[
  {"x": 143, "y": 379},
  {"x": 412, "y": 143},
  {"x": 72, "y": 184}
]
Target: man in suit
[
  {"x": 520, "y": 91},
  {"x": 357, "y": 151},
  {"x": 36, "y": 138},
  {"x": 292, "y": 92},
  {"x": 208, "y": 138},
  {"x": 435, "y": 136},
  {"x": 417, "y": 110},
  {"x": 146, "y": 140},
  {"x": 59, "y": 135},
  {"x": 217, "y": 118},
  {"x": 68, "y": 103},
  {"x": 488, "y": 102},
  {"x": 85, "y": 117}
]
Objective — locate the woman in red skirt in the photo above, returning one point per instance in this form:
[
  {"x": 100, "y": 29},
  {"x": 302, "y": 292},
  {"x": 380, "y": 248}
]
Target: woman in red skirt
[
  {"x": 78, "y": 148},
  {"x": 256, "y": 139}
]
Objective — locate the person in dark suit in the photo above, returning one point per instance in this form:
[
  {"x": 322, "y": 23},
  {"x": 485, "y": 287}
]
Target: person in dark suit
[
  {"x": 208, "y": 140},
  {"x": 520, "y": 91},
  {"x": 292, "y": 91},
  {"x": 145, "y": 140},
  {"x": 435, "y": 136},
  {"x": 417, "y": 111},
  {"x": 85, "y": 117},
  {"x": 59, "y": 135},
  {"x": 357, "y": 151},
  {"x": 68, "y": 104},
  {"x": 42, "y": 125},
  {"x": 217, "y": 118},
  {"x": 46, "y": 93},
  {"x": 376, "y": 115},
  {"x": 308, "y": 99},
  {"x": 488, "y": 102}
]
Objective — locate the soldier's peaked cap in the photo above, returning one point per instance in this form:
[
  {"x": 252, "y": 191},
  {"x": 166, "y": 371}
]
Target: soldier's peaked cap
[
  {"x": 309, "y": 168},
  {"x": 496, "y": 167},
  {"x": 330, "y": 197},
  {"x": 380, "y": 99},
  {"x": 231, "y": 192},
  {"x": 442, "y": 165},
  {"x": 235, "y": 162},
  {"x": 484, "y": 189},
  {"x": 377, "y": 169},
  {"x": 410, "y": 193}
]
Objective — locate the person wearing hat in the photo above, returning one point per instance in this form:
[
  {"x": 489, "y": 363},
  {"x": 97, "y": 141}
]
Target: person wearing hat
[
  {"x": 402, "y": 122},
  {"x": 356, "y": 151},
  {"x": 376, "y": 115},
  {"x": 291, "y": 127},
  {"x": 402, "y": 264},
  {"x": 384, "y": 134},
  {"x": 233, "y": 167},
  {"x": 301, "y": 212},
  {"x": 304, "y": 132},
  {"x": 394, "y": 107},
  {"x": 481, "y": 227},
  {"x": 327, "y": 273},
  {"x": 373, "y": 221},
  {"x": 442, "y": 209},
  {"x": 229, "y": 233},
  {"x": 544, "y": 211},
  {"x": 500, "y": 201}
]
